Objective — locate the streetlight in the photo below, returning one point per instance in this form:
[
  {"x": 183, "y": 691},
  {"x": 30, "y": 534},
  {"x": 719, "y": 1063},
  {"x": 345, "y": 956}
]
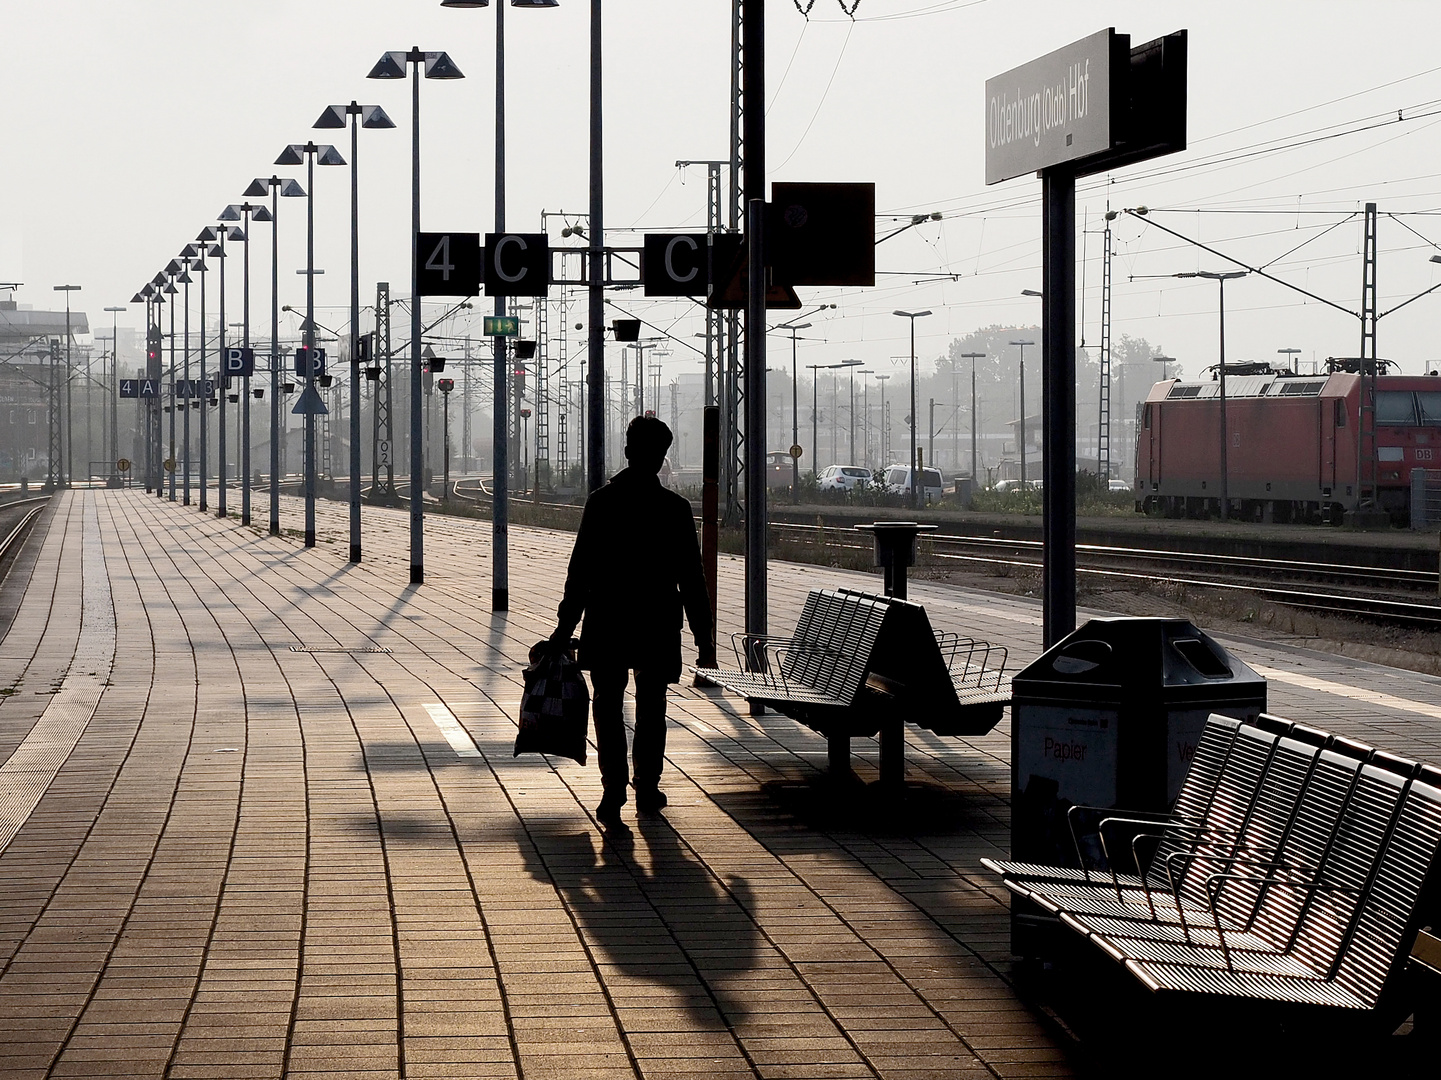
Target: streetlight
[
  {"x": 973, "y": 357},
  {"x": 866, "y": 413},
  {"x": 1290, "y": 355},
  {"x": 911, "y": 464},
  {"x": 500, "y": 517},
  {"x": 1021, "y": 442},
  {"x": 310, "y": 154},
  {"x": 172, "y": 270},
  {"x": 1220, "y": 277},
  {"x": 1163, "y": 361},
  {"x": 884, "y": 449},
  {"x": 69, "y": 430},
  {"x": 245, "y": 212},
  {"x": 114, "y": 441},
  {"x": 188, "y": 255},
  {"x": 361, "y": 116},
  {"x": 445, "y": 386},
  {"x": 852, "y": 364},
  {"x": 434, "y": 65},
  {"x": 204, "y": 403},
  {"x": 289, "y": 189},
  {"x": 793, "y": 328}
]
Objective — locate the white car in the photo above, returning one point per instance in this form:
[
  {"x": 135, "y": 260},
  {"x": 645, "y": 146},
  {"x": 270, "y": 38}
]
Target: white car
[
  {"x": 932, "y": 486},
  {"x": 843, "y": 477},
  {"x": 1119, "y": 485}
]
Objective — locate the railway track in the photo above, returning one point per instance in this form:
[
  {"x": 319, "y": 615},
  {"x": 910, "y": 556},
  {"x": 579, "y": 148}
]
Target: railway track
[
  {"x": 1356, "y": 591},
  {"x": 1392, "y": 595}
]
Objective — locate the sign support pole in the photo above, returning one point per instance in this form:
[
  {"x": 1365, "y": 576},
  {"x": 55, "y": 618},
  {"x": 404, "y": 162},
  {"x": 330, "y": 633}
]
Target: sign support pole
[
  {"x": 753, "y": 49},
  {"x": 1058, "y": 397}
]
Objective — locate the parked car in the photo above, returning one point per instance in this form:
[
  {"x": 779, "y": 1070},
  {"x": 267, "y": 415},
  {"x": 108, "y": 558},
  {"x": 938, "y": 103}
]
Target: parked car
[
  {"x": 843, "y": 477},
  {"x": 1004, "y": 486},
  {"x": 1119, "y": 485},
  {"x": 932, "y": 486}
]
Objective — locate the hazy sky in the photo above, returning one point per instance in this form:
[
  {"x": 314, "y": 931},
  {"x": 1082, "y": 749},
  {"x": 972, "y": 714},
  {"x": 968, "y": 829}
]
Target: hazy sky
[{"x": 132, "y": 123}]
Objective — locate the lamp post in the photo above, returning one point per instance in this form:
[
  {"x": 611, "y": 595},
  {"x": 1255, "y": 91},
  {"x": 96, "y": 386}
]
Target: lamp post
[
  {"x": 246, "y": 213},
  {"x": 173, "y": 270},
  {"x": 1290, "y": 355},
  {"x": 291, "y": 190},
  {"x": 1220, "y": 277},
  {"x": 1163, "y": 361},
  {"x": 973, "y": 357},
  {"x": 881, "y": 442},
  {"x": 204, "y": 403},
  {"x": 361, "y": 116},
  {"x": 853, "y": 364},
  {"x": 434, "y": 65},
  {"x": 310, "y": 154},
  {"x": 187, "y": 255},
  {"x": 113, "y": 443},
  {"x": 500, "y": 517},
  {"x": 69, "y": 430},
  {"x": 865, "y": 415},
  {"x": 445, "y": 386},
  {"x": 210, "y": 233},
  {"x": 911, "y": 464},
  {"x": 794, "y": 328},
  {"x": 1021, "y": 442}
]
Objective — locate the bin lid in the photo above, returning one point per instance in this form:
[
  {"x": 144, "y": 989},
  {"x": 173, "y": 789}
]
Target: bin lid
[{"x": 1121, "y": 657}]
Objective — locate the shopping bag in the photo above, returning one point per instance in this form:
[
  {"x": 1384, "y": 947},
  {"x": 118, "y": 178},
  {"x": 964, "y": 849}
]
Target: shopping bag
[{"x": 555, "y": 705}]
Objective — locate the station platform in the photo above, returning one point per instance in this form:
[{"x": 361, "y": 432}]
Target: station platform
[{"x": 259, "y": 817}]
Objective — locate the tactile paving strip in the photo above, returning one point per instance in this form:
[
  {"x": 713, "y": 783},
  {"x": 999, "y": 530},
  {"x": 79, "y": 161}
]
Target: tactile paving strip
[{"x": 26, "y": 776}]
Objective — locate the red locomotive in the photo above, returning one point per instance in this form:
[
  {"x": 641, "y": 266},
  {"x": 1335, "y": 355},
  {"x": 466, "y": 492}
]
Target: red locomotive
[{"x": 1292, "y": 453}]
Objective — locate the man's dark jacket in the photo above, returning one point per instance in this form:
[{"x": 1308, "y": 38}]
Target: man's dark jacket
[{"x": 635, "y": 566}]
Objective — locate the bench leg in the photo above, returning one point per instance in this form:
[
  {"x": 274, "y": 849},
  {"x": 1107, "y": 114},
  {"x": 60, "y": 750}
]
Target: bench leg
[
  {"x": 838, "y": 756},
  {"x": 893, "y": 753}
]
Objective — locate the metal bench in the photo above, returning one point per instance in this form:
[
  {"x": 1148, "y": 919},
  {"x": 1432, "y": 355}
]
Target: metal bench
[
  {"x": 1299, "y": 871},
  {"x": 863, "y": 665}
]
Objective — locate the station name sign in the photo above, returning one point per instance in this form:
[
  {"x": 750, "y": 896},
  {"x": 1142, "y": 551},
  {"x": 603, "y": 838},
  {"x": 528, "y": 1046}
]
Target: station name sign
[{"x": 1092, "y": 105}]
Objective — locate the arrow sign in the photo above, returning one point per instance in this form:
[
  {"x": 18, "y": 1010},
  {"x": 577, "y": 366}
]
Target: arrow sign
[
  {"x": 309, "y": 403},
  {"x": 500, "y": 326}
]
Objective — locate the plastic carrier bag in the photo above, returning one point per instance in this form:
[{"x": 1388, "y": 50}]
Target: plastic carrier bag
[{"x": 555, "y": 707}]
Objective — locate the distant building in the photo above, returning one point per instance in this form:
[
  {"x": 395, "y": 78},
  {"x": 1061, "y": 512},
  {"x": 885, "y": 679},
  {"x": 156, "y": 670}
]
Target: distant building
[{"x": 25, "y": 340}]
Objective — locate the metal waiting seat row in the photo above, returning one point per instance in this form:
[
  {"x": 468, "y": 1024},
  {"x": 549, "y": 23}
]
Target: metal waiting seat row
[
  {"x": 1297, "y": 867},
  {"x": 860, "y": 664}
]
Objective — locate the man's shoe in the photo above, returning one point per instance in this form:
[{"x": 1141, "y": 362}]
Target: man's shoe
[
  {"x": 651, "y": 802},
  {"x": 609, "y": 809}
]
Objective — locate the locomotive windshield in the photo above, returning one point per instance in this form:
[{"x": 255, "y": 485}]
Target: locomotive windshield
[
  {"x": 1430, "y": 402},
  {"x": 1395, "y": 408}
]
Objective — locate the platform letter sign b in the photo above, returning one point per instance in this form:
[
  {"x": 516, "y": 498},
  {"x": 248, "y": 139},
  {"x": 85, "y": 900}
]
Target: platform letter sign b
[
  {"x": 239, "y": 363},
  {"x": 449, "y": 264}
]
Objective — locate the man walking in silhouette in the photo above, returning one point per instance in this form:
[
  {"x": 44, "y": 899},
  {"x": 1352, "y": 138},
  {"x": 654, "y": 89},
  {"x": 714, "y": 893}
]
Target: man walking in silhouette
[{"x": 635, "y": 567}]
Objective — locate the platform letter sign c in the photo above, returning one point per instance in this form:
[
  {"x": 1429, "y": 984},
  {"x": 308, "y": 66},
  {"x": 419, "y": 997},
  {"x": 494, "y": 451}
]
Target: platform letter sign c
[
  {"x": 517, "y": 264},
  {"x": 674, "y": 264}
]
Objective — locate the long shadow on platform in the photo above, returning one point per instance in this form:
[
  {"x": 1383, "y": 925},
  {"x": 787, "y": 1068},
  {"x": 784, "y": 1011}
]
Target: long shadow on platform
[
  {"x": 655, "y": 913},
  {"x": 824, "y": 805}
]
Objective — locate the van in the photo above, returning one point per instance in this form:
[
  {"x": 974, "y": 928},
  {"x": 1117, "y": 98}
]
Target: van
[{"x": 932, "y": 486}]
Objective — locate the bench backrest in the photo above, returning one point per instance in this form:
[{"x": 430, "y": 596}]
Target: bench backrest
[
  {"x": 833, "y": 641},
  {"x": 1394, "y": 906}
]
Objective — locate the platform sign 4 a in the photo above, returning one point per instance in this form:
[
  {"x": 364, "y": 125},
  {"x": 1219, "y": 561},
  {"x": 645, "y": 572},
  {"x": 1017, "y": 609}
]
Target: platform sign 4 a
[{"x": 130, "y": 388}]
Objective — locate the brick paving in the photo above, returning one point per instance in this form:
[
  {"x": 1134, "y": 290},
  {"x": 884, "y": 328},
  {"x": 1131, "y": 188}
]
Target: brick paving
[{"x": 259, "y": 861}]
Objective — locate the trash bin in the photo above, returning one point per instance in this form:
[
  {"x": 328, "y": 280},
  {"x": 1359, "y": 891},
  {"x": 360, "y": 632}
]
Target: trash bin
[{"x": 1110, "y": 717}]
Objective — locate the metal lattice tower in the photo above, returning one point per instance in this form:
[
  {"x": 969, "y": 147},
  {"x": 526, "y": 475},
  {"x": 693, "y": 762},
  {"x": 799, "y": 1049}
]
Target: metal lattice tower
[
  {"x": 53, "y": 474},
  {"x": 733, "y": 403},
  {"x": 1103, "y": 431},
  {"x": 383, "y": 451},
  {"x": 1366, "y": 421},
  {"x": 542, "y": 395}
]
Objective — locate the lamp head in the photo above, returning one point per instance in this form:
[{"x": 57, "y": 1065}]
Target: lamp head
[
  {"x": 389, "y": 66},
  {"x": 258, "y": 189},
  {"x": 262, "y": 214},
  {"x": 291, "y": 189},
  {"x": 328, "y": 155},
  {"x": 294, "y": 154},
  {"x": 230, "y": 213},
  {"x": 439, "y": 65},
  {"x": 373, "y": 116},
  {"x": 332, "y": 117}
]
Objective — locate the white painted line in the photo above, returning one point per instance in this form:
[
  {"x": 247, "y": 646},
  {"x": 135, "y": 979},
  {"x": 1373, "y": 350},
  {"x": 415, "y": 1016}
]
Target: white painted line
[
  {"x": 1371, "y": 697},
  {"x": 455, "y": 734}
]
